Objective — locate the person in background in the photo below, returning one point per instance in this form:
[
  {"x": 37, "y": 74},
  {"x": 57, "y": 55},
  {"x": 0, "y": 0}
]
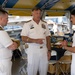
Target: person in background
[
  {"x": 71, "y": 49},
  {"x": 6, "y": 46},
  {"x": 36, "y": 35}
]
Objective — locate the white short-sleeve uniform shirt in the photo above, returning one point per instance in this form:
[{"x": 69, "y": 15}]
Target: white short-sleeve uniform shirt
[
  {"x": 5, "y": 41},
  {"x": 73, "y": 58},
  {"x": 36, "y": 31}
]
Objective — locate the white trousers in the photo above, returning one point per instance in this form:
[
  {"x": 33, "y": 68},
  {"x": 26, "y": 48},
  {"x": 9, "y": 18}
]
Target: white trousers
[
  {"x": 73, "y": 68},
  {"x": 37, "y": 61},
  {"x": 5, "y": 67},
  {"x": 73, "y": 64}
]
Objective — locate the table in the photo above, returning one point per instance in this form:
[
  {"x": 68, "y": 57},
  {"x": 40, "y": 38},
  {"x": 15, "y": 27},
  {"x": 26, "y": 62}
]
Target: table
[{"x": 60, "y": 53}]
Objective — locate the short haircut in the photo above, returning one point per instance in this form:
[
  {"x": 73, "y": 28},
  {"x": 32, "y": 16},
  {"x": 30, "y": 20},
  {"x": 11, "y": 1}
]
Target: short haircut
[
  {"x": 73, "y": 12},
  {"x": 36, "y": 8},
  {"x": 2, "y": 11}
]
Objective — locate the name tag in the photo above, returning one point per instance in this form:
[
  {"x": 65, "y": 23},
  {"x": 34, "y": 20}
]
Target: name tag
[{"x": 31, "y": 27}]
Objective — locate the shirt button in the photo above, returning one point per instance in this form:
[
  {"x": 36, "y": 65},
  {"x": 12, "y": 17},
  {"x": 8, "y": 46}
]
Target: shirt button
[{"x": 41, "y": 47}]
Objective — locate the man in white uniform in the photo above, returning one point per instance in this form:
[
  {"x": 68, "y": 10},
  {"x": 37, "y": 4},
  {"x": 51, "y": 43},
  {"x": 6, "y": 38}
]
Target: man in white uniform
[
  {"x": 6, "y": 46},
  {"x": 71, "y": 49},
  {"x": 36, "y": 35}
]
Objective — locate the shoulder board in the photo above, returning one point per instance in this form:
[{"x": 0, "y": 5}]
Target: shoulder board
[
  {"x": 27, "y": 21},
  {"x": 1, "y": 28},
  {"x": 44, "y": 21}
]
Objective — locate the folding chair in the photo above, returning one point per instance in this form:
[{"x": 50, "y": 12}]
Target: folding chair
[
  {"x": 53, "y": 62},
  {"x": 23, "y": 69},
  {"x": 65, "y": 60}
]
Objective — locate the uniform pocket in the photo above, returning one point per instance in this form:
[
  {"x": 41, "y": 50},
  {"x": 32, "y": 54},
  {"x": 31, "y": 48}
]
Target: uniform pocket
[{"x": 32, "y": 30}]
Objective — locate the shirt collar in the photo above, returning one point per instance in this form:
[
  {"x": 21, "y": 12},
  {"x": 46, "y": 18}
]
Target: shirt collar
[{"x": 35, "y": 22}]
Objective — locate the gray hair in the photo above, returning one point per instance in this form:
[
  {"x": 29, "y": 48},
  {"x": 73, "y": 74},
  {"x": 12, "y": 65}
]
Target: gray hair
[
  {"x": 2, "y": 11},
  {"x": 36, "y": 8}
]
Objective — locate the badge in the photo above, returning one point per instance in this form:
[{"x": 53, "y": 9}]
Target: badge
[
  {"x": 31, "y": 27},
  {"x": 26, "y": 46},
  {"x": 43, "y": 26}
]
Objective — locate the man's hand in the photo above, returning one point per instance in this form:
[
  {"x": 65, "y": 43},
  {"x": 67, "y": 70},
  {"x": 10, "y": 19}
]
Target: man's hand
[
  {"x": 39, "y": 41},
  {"x": 64, "y": 43},
  {"x": 13, "y": 46}
]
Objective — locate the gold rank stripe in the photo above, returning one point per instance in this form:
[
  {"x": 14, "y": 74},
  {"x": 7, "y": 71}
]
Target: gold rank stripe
[{"x": 1, "y": 28}]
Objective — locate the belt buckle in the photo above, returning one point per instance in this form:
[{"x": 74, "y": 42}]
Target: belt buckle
[
  {"x": 41, "y": 47},
  {"x": 26, "y": 46}
]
